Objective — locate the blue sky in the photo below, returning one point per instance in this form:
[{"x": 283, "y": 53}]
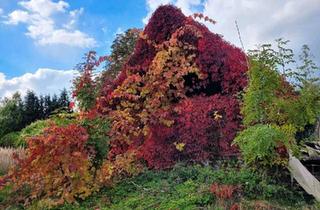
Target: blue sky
[
  {"x": 42, "y": 40},
  {"x": 100, "y": 20}
]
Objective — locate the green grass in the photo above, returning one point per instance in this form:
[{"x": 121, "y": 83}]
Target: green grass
[{"x": 187, "y": 187}]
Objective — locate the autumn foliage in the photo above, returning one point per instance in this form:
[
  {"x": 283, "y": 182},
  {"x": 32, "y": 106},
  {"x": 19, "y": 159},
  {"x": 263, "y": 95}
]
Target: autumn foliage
[
  {"x": 176, "y": 97},
  {"x": 57, "y": 166},
  {"x": 225, "y": 193}
]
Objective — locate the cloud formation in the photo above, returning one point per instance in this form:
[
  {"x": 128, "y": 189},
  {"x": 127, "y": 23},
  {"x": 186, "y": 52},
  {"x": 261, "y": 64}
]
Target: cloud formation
[
  {"x": 43, "y": 81},
  {"x": 50, "y": 23},
  {"x": 259, "y": 21}
]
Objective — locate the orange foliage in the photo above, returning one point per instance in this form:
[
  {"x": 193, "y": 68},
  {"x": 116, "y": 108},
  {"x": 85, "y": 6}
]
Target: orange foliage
[{"x": 57, "y": 166}]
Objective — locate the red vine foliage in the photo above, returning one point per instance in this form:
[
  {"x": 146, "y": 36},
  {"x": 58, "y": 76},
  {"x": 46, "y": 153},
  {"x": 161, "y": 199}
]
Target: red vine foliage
[
  {"x": 175, "y": 99},
  {"x": 205, "y": 18}
]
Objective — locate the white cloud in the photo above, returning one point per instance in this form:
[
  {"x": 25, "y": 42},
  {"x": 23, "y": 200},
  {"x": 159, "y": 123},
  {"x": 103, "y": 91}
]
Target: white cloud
[
  {"x": 153, "y": 5},
  {"x": 187, "y": 6},
  {"x": 44, "y": 26},
  {"x": 74, "y": 16},
  {"x": 44, "y": 8},
  {"x": 1, "y": 11},
  {"x": 43, "y": 81},
  {"x": 259, "y": 21}
]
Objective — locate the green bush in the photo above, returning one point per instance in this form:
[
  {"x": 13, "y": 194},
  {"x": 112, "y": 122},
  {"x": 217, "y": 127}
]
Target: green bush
[
  {"x": 98, "y": 138},
  {"x": 259, "y": 144},
  {"x": 260, "y": 93},
  {"x": 275, "y": 112},
  {"x": 18, "y": 139},
  {"x": 10, "y": 139},
  {"x": 34, "y": 129}
]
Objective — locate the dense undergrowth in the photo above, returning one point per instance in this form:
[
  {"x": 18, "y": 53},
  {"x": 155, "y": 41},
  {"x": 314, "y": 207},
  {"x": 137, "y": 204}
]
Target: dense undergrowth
[
  {"x": 182, "y": 95},
  {"x": 190, "y": 187}
]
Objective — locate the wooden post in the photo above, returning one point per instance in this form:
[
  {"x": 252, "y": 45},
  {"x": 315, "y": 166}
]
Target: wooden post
[{"x": 305, "y": 179}]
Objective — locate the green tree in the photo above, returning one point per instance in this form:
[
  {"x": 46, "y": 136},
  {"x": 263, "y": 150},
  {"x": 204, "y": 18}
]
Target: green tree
[
  {"x": 276, "y": 113},
  {"x": 31, "y": 108},
  {"x": 54, "y": 103},
  {"x": 307, "y": 72},
  {"x": 84, "y": 86},
  {"x": 121, "y": 48},
  {"x": 42, "y": 107},
  {"x": 11, "y": 115},
  {"x": 47, "y": 105},
  {"x": 64, "y": 99}
]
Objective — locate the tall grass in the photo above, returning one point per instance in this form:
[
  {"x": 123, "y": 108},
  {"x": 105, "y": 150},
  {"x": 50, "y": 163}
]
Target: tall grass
[{"x": 6, "y": 158}]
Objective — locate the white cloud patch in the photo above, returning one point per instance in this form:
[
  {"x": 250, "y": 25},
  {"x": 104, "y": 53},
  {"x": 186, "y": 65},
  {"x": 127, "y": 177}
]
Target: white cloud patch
[
  {"x": 1, "y": 11},
  {"x": 188, "y": 7},
  {"x": 50, "y": 22},
  {"x": 43, "y": 81},
  {"x": 259, "y": 21},
  {"x": 152, "y": 5}
]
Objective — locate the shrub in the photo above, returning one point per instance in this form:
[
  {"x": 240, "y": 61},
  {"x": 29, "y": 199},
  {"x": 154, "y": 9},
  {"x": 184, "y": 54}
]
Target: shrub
[
  {"x": 98, "y": 141},
  {"x": 84, "y": 86},
  {"x": 265, "y": 145},
  {"x": 274, "y": 111},
  {"x": 225, "y": 194},
  {"x": 10, "y": 139},
  {"x": 125, "y": 165},
  {"x": 36, "y": 128},
  {"x": 56, "y": 168}
]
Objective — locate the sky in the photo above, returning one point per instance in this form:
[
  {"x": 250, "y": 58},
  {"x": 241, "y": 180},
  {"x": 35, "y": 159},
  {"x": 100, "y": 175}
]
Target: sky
[{"x": 41, "y": 41}]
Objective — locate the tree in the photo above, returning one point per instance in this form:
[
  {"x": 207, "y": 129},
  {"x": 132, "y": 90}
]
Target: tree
[
  {"x": 31, "y": 108},
  {"x": 11, "y": 115},
  {"x": 121, "y": 48},
  {"x": 64, "y": 100},
  {"x": 42, "y": 107},
  {"x": 308, "y": 70},
  {"x": 54, "y": 103},
  {"x": 84, "y": 86},
  {"x": 47, "y": 105}
]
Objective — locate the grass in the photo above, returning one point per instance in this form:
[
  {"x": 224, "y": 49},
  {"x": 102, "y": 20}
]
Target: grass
[
  {"x": 6, "y": 158},
  {"x": 188, "y": 187}
]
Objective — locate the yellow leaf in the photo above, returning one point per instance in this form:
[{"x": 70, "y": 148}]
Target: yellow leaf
[
  {"x": 179, "y": 146},
  {"x": 167, "y": 123},
  {"x": 217, "y": 116}
]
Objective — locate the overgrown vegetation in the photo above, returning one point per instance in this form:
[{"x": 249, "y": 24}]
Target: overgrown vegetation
[
  {"x": 172, "y": 93},
  {"x": 275, "y": 111},
  {"x": 190, "y": 187}
]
